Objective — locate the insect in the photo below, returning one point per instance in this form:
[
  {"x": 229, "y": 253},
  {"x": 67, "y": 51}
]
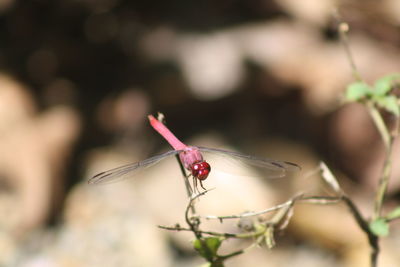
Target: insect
[{"x": 192, "y": 159}]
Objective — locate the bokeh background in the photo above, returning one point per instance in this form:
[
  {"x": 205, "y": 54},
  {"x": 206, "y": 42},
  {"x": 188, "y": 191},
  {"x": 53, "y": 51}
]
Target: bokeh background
[{"x": 78, "y": 78}]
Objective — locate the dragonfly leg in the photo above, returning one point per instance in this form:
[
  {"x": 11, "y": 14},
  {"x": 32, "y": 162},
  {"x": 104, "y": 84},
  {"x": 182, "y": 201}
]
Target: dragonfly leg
[
  {"x": 195, "y": 189},
  {"x": 201, "y": 184}
]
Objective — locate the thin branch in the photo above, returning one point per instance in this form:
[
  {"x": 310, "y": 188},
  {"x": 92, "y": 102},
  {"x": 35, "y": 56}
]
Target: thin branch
[
  {"x": 185, "y": 177},
  {"x": 193, "y": 225},
  {"x": 378, "y": 121},
  {"x": 380, "y": 125},
  {"x": 363, "y": 224},
  {"x": 361, "y": 221},
  {"x": 217, "y": 234},
  {"x": 392, "y": 218},
  {"x": 250, "y": 214},
  {"x": 383, "y": 183},
  {"x": 343, "y": 30},
  {"x": 323, "y": 200},
  {"x": 178, "y": 228}
]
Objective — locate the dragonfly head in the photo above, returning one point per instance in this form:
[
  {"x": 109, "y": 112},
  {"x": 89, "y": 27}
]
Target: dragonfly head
[{"x": 200, "y": 170}]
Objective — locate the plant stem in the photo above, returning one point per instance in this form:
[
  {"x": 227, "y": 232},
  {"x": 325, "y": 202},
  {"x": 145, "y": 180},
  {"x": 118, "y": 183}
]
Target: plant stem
[
  {"x": 184, "y": 175},
  {"x": 380, "y": 125},
  {"x": 383, "y": 183},
  {"x": 343, "y": 29},
  {"x": 388, "y": 142},
  {"x": 387, "y": 165},
  {"x": 372, "y": 239}
]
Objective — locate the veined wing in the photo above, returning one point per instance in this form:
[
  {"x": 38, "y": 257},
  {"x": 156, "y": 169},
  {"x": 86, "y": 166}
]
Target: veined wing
[
  {"x": 274, "y": 168},
  {"x": 128, "y": 170}
]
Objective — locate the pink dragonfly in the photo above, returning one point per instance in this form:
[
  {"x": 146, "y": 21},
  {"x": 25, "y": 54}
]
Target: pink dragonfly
[{"x": 192, "y": 159}]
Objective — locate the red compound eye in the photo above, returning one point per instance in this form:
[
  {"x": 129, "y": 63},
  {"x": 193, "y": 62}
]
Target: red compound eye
[{"x": 200, "y": 170}]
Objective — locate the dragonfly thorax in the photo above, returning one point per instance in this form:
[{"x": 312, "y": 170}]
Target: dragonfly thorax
[
  {"x": 193, "y": 161},
  {"x": 200, "y": 170},
  {"x": 189, "y": 156}
]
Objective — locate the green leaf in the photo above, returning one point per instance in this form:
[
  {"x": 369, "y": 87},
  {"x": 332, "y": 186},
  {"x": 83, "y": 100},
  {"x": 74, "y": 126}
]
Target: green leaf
[
  {"x": 357, "y": 90},
  {"x": 384, "y": 85},
  {"x": 389, "y": 103},
  {"x": 207, "y": 247},
  {"x": 379, "y": 227},
  {"x": 213, "y": 243},
  {"x": 393, "y": 214}
]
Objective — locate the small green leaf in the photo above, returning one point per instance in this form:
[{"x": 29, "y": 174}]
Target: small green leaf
[
  {"x": 389, "y": 103},
  {"x": 379, "y": 227},
  {"x": 384, "y": 85},
  {"x": 393, "y": 214},
  {"x": 213, "y": 243},
  {"x": 207, "y": 247},
  {"x": 357, "y": 90}
]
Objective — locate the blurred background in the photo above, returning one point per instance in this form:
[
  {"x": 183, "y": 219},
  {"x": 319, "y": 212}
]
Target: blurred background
[{"x": 78, "y": 79}]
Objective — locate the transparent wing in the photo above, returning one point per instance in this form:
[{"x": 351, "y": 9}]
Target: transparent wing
[
  {"x": 128, "y": 170},
  {"x": 272, "y": 168}
]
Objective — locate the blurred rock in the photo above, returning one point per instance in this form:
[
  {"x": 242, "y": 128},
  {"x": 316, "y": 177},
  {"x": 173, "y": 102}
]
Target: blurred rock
[
  {"x": 295, "y": 53},
  {"x": 124, "y": 113},
  {"x": 392, "y": 10},
  {"x": 34, "y": 149},
  {"x": 212, "y": 64},
  {"x": 312, "y": 11},
  {"x": 16, "y": 104}
]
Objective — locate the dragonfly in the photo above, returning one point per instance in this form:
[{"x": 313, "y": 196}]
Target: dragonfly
[{"x": 192, "y": 159}]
